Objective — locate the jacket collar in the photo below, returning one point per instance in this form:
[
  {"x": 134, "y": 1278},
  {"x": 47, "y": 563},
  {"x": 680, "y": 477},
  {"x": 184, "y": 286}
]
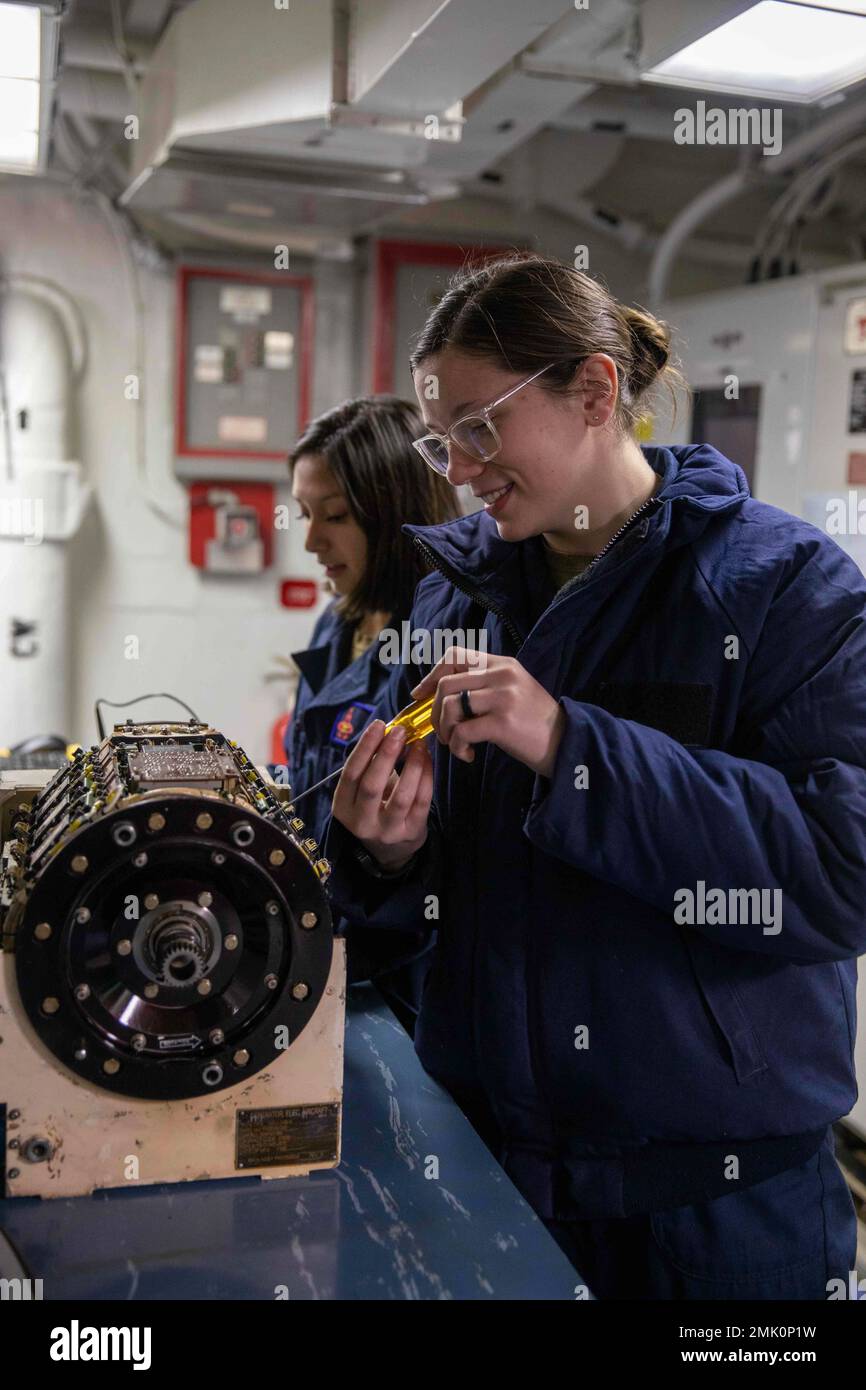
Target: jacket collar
[
  {"x": 356, "y": 681},
  {"x": 313, "y": 665},
  {"x": 698, "y": 482},
  {"x": 320, "y": 665},
  {"x": 316, "y": 663}
]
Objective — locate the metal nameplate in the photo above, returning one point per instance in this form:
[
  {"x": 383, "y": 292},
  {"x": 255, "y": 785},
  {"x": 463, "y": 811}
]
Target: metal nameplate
[
  {"x": 161, "y": 766},
  {"x": 285, "y": 1134}
]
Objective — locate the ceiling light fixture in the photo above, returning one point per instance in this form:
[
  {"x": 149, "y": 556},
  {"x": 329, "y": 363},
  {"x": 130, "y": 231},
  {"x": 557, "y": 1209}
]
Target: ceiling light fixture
[
  {"x": 20, "y": 70},
  {"x": 783, "y": 50}
]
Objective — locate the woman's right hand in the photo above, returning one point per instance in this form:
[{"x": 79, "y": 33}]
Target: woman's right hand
[{"x": 386, "y": 810}]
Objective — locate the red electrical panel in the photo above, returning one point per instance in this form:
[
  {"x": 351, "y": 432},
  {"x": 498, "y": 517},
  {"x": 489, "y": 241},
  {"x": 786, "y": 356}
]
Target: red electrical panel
[
  {"x": 231, "y": 527},
  {"x": 244, "y": 371}
]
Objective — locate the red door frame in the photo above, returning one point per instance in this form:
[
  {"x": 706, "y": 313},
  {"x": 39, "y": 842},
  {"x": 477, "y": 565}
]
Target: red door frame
[{"x": 390, "y": 255}]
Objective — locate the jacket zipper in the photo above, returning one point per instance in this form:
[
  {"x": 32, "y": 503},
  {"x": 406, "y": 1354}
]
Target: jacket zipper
[
  {"x": 454, "y": 579},
  {"x": 444, "y": 569},
  {"x": 500, "y": 613},
  {"x": 644, "y": 506}
]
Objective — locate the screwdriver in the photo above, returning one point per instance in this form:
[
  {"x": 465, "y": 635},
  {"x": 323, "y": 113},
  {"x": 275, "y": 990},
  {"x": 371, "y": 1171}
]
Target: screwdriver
[{"x": 415, "y": 719}]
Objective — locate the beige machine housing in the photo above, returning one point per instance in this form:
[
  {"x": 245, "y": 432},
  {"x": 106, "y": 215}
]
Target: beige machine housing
[
  {"x": 102, "y": 1140},
  {"x": 274, "y": 1108}
]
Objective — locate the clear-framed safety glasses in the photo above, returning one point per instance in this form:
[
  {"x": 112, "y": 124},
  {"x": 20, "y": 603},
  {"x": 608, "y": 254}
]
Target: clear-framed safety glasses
[{"x": 475, "y": 434}]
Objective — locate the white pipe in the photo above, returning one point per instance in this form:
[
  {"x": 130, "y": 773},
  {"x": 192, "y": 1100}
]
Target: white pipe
[
  {"x": 683, "y": 225},
  {"x": 637, "y": 238},
  {"x": 723, "y": 192},
  {"x": 43, "y": 499},
  {"x": 39, "y": 287}
]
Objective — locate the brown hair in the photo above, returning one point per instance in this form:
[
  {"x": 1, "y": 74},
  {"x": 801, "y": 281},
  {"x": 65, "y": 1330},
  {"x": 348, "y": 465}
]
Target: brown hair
[
  {"x": 367, "y": 444},
  {"x": 526, "y": 310}
]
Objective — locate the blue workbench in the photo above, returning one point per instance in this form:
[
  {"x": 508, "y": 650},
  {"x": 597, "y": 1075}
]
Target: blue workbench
[{"x": 375, "y": 1228}]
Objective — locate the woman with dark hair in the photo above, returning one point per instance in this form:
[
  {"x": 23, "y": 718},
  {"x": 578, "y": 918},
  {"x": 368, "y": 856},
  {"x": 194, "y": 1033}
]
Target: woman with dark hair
[
  {"x": 644, "y": 817},
  {"x": 356, "y": 479}
]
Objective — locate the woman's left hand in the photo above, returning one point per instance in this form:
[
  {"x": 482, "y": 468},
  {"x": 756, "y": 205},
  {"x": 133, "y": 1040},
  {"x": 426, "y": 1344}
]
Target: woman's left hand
[{"x": 509, "y": 706}]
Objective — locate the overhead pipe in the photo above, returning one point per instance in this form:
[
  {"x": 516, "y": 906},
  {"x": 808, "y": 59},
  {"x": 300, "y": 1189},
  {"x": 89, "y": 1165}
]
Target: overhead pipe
[
  {"x": 63, "y": 304},
  {"x": 792, "y": 204},
  {"x": 723, "y": 192},
  {"x": 681, "y": 228},
  {"x": 636, "y": 237}
]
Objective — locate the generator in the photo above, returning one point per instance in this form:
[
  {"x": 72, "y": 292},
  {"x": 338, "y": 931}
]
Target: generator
[{"x": 172, "y": 995}]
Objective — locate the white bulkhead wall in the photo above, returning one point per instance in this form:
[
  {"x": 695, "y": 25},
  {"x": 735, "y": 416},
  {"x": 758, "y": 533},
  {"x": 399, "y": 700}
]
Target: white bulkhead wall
[{"x": 210, "y": 640}]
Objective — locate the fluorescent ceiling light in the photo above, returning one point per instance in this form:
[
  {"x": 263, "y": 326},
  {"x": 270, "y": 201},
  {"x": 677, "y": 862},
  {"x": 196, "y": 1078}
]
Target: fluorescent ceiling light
[
  {"x": 19, "y": 150},
  {"x": 19, "y": 41},
  {"x": 20, "y": 93},
  {"x": 777, "y": 49},
  {"x": 19, "y": 104},
  {"x": 851, "y": 6}
]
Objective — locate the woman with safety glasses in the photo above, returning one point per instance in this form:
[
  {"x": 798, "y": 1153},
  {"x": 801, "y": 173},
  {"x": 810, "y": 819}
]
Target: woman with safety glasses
[{"x": 643, "y": 823}]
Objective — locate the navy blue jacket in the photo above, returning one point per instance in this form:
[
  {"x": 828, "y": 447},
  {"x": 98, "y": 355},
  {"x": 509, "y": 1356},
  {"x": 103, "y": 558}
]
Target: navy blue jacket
[
  {"x": 336, "y": 699},
  {"x": 739, "y": 764}
]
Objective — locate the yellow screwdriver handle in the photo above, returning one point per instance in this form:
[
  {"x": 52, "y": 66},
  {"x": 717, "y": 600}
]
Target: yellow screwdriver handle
[{"x": 415, "y": 719}]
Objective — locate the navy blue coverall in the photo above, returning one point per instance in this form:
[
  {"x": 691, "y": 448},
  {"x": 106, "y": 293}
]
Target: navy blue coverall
[
  {"x": 659, "y": 1089},
  {"x": 335, "y": 701}
]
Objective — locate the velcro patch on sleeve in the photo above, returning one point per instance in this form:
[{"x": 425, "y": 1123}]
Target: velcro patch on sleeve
[{"x": 683, "y": 711}]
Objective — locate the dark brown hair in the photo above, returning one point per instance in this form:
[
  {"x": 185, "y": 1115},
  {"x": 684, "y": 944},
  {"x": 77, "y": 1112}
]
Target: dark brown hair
[
  {"x": 524, "y": 311},
  {"x": 367, "y": 444}
]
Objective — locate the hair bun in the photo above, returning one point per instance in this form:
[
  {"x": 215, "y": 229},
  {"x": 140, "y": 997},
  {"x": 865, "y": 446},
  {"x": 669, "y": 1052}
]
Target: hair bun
[
  {"x": 651, "y": 350},
  {"x": 527, "y": 313}
]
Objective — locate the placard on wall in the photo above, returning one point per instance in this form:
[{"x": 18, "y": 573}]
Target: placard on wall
[{"x": 243, "y": 371}]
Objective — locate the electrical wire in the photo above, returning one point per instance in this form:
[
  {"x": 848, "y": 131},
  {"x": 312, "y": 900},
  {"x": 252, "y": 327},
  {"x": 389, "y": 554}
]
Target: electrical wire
[
  {"x": 786, "y": 211},
  {"x": 123, "y": 704}
]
